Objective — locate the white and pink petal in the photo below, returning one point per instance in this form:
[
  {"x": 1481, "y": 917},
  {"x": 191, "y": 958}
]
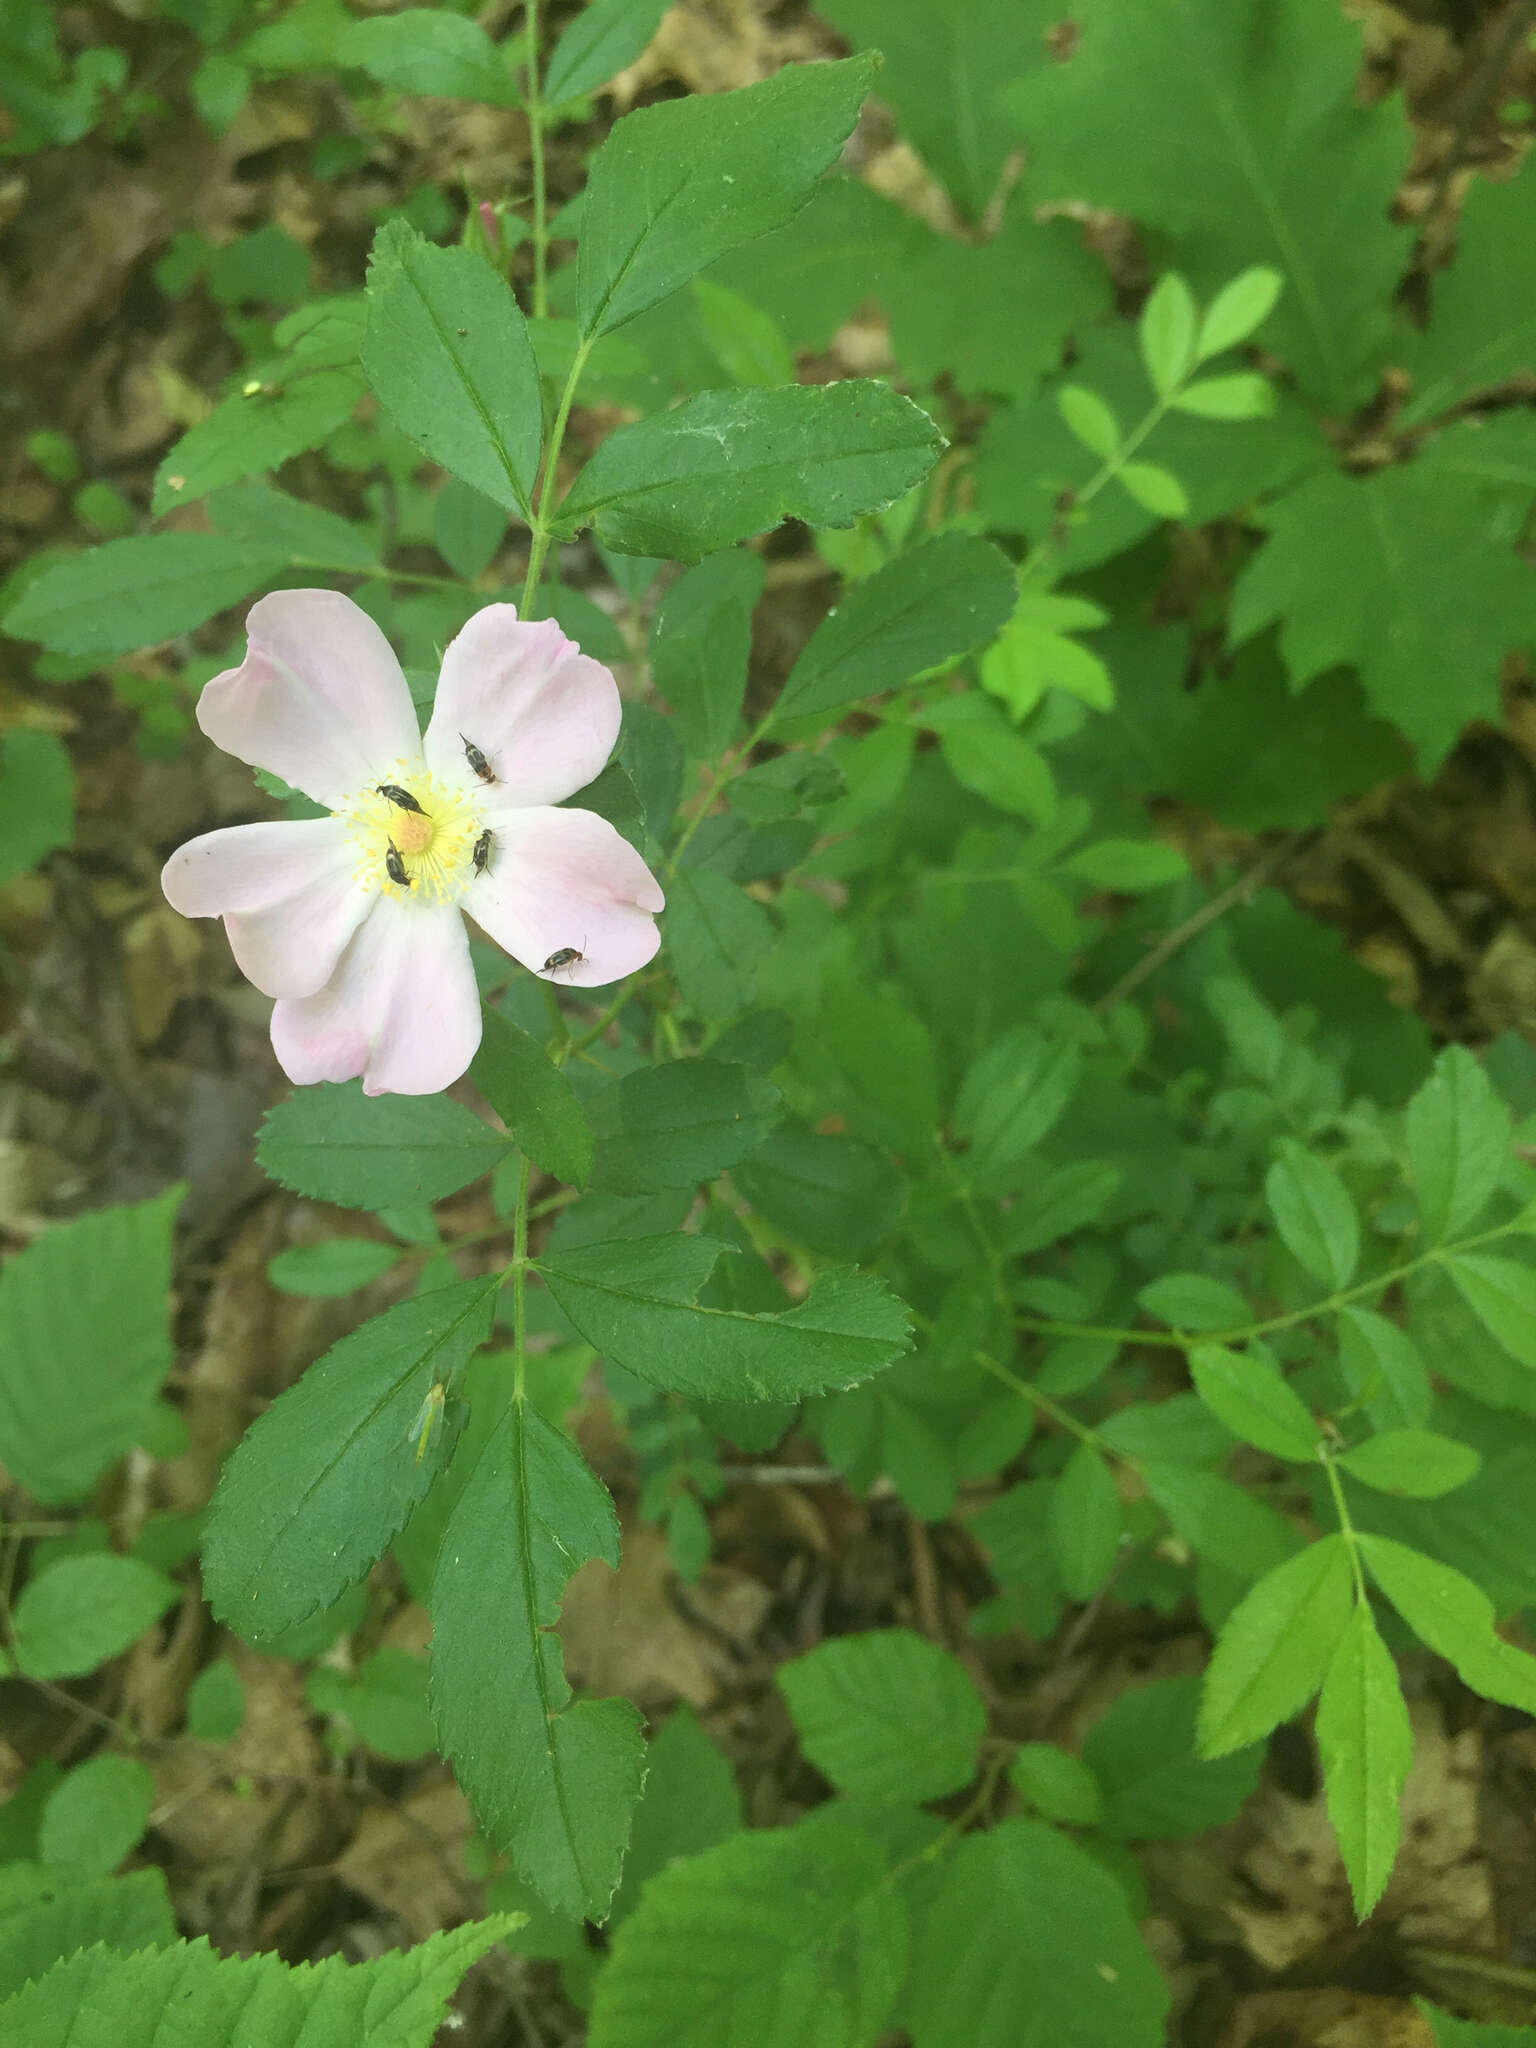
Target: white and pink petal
[
  {"x": 287, "y": 892},
  {"x": 563, "y": 881}
]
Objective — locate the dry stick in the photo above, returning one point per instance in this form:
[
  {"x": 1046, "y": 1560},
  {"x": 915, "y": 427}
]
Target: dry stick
[
  {"x": 1252, "y": 879},
  {"x": 1485, "y": 81}
]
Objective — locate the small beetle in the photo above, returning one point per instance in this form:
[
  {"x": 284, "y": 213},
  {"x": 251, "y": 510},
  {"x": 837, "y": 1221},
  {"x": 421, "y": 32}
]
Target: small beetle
[
  {"x": 483, "y": 851},
  {"x": 568, "y": 956},
  {"x": 477, "y": 761},
  {"x": 402, "y": 798},
  {"x": 395, "y": 867}
]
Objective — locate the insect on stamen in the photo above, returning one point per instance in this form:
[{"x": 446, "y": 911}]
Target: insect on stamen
[
  {"x": 477, "y": 761},
  {"x": 401, "y": 798},
  {"x": 395, "y": 867}
]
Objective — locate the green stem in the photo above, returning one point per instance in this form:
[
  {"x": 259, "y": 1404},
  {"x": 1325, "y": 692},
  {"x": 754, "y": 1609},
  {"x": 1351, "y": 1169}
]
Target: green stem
[
  {"x": 727, "y": 772},
  {"x": 520, "y": 1284},
  {"x": 535, "y": 99},
  {"x": 1346, "y": 1526},
  {"x": 539, "y": 547},
  {"x": 1105, "y": 474}
]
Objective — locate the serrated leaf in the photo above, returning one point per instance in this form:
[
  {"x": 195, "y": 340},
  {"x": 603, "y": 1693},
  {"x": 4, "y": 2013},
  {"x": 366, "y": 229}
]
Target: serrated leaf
[
  {"x": 725, "y": 465},
  {"x": 827, "y": 1190},
  {"x": 1417, "y": 1463},
  {"x": 79, "y": 1611},
  {"x": 716, "y": 934},
  {"x": 1240, "y": 397},
  {"x": 1238, "y": 310},
  {"x": 1482, "y": 325},
  {"x": 447, "y": 352},
  {"x": 1166, "y": 333},
  {"x": 1275, "y": 1647},
  {"x": 189, "y": 1989},
  {"x": 56, "y": 1920},
  {"x": 1409, "y": 575},
  {"x": 701, "y": 641},
  {"x": 1366, "y": 1743},
  {"x": 1314, "y": 1214},
  {"x": 375, "y": 1151},
  {"x": 1089, "y": 419},
  {"x": 1454, "y": 1618},
  {"x": 138, "y": 592},
  {"x": 1155, "y": 1786},
  {"x": 929, "y": 606},
  {"x": 71, "y": 1404},
  {"x": 1057, "y": 1784},
  {"x": 1457, "y": 1132},
  {"x": 1269, "y": 156},
  {"x": 322, "y": 1482},
  {"x": 1029, "y": 1943},
  {"x": 1383, "y": 1369},
  {"x": 95, "y": 1816},
  {"x": 603, "y": 39},
  {"x": 552, "y": 1783},
  {"x": 424, "y": 50},
  {"x": 533, "y": 1098},
  {"x": 296, "y": 407},
  {"x": 1502, "y": 1295},
  {"x": 635, "y": 1301},
  {"x": 781, "y": 1934},
  {"x": 886, "y": 1716},
  {"x": 339, "y": 1265},
  {"x": 1010, "y": 1099},
  {"x": 690, "y": 1804},
  {"x": 1195, "y": 1301},
  {"x": 1085, "y": 1523},
  {"x": 676, "y": 185},
  {"x": 1220, "y": 1522},
  {"x": 1247, "y": 1391},
  {"x": 678, "y": 1123},
  {"x": 308, "y": 535},
  {"x": 1155, "y": 489}
]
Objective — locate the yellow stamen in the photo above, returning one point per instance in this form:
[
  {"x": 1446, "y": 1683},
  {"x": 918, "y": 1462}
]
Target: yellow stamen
[{"x": 435, "y": 845}]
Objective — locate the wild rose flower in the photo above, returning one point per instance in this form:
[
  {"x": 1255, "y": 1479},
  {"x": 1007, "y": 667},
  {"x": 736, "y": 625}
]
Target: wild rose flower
[{"x": 352, "y": 921}]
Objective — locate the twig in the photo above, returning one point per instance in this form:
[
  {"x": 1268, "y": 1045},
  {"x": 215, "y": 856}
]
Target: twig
[{"x": 1485, "y": 80}]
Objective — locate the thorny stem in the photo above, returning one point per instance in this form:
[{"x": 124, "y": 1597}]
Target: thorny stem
[{"x": 535, "y": 98}]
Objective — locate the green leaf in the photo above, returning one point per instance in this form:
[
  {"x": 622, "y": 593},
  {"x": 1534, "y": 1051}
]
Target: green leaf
[
  {"x": 95, "y": 1816},
  {"x": 1502, "y": 1295},
  {"x": 1482, "y": 328},
  {"x": 552, "y": 1783},
  {"x": 986, "y": 756},
  {"x": 1383, "y": 1370},
  {"x": 1454, "y": 1618},
  {"x": 728, "y": 464},
  {"x": 1035, "y": 653},
  {"x": 1409, "y": 575},
  {"x": 138, "y": 592},
  {"x": 1454, "y": 2033},
  {"x": 1241, "y": 397},
  {"x": 690, "y": 1803},
  {"x": 1166, "y": 333},
  {"x": 940, "y": 71},
  {"x": 339, "y": 1265},
  {"x": 326, "y": 1477},
  {"x": 716, "y": 934},
  {"x": 1029, "y": 1943},
  {"x": 71, "y": 1401},
  {"x": 701, "y": 641},
  {"x": 777, "y": 1935},
  {"x": 1010, "y": 1099},
  {"x": 825, "y": 1189},
  {"x": 1238, "y": 310},
  {"x": 602, "y": 40},
  {"x": 1089, "y": 419},
  {"x": 930, "y": 605},
  {"x": 386, "y": 1703},
  {"x": 298, "y": 403},
  {"x": 533, "y": 1098},
  {"x": 468, "y": 529},
  {"x": 1275, "y": 1647},
  {"x": 1155, "y": 1785},
  {"x": 746, "y": 342},
  {"x": 1155, "y": 489},
  {"x": 37, "y": 800},
  {"x": 1415, "y": 1462},
  {"x": 53, "y": 1921},
  {"x": 447, "y": 352},
  {"x": 187, "y": 1989},
  {"x": 676, "y": 185},
  {"x": 375, "y": 1151},
  {"x": 1057, "y": 1784},
  {"x": 1268, "y": 156},
  {"x": 1247, "y": 1391},
  {"x": 1219, "y": 1521},
  {"x": 216, "y": 1703},
  {"x": 1129, "y": 866},
  {"x": 1194, "y": 1301},
  {"x": 679, "y": 1123},
  {"x": 81, "y": 1611},
  {"x": 1314, "y": 1214},
  {"x": 425, "y": 50},
  {"x": 635, "y": 1301},
  {"x": 1085, "y": 1523},
  {"x": 886, "y": 1716},
  {"x": 1367, "y": 1745},
  {"x": 1457, "y": 1132},
  {"x": 307, "y": 534}
]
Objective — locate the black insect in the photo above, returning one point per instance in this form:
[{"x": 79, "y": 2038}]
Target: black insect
[
  {"x": 483, "y": 851},
  {"x": 567, "y": 956},
  {"x": 477, "y": 761},
  {"x": 402, "y": 798},
  {"x": 395, "y": 867}
]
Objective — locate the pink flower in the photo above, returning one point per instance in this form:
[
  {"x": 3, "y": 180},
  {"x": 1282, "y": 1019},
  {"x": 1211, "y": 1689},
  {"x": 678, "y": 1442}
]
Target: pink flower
[{"x": 352, "y": 921}]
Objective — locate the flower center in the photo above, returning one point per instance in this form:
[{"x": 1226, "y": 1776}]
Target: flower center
[{"x": 415, "y": 836}]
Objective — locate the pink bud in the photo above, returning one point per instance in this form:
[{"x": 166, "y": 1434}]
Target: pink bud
[{"x": 490, "y": 223}]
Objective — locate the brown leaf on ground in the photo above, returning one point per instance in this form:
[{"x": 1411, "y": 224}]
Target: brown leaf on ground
[
  {"x": 407, "y": 1859},
  {"x": 1325, "y": 2019}
]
